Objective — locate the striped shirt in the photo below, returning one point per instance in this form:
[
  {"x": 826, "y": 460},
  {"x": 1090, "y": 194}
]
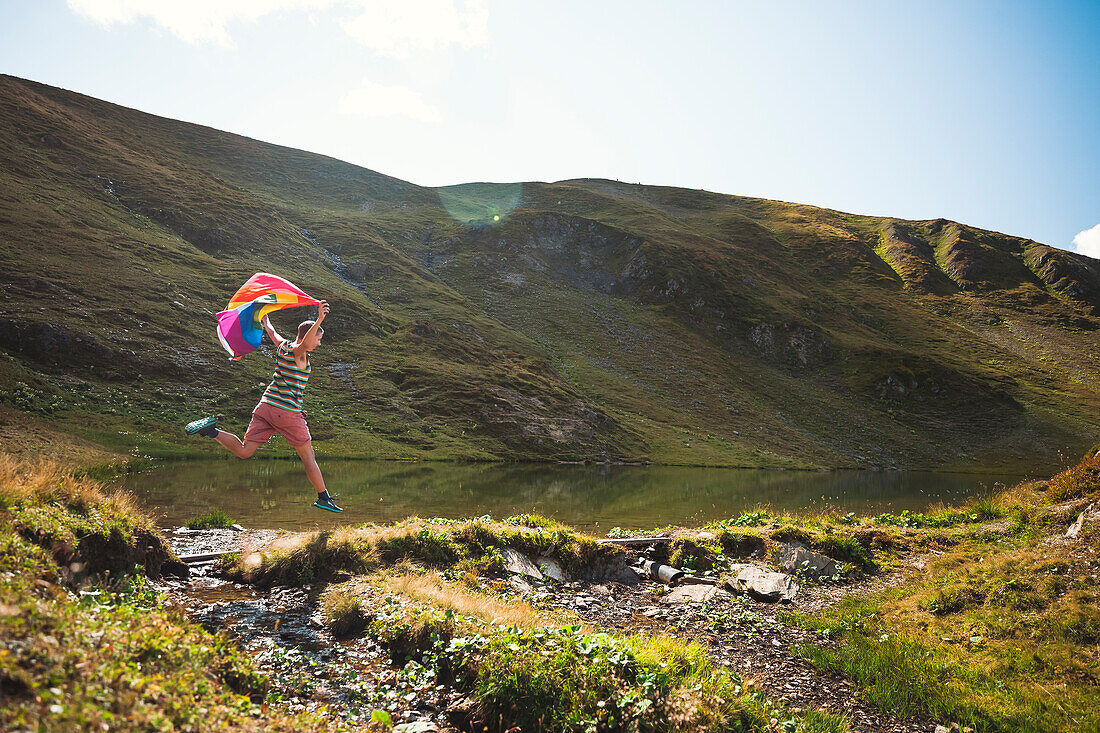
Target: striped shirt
[{"x": 289, "y": 382}]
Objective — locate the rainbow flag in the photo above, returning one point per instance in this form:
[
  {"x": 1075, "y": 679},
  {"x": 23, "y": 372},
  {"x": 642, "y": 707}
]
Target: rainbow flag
[{"x": 239, "y": 327}]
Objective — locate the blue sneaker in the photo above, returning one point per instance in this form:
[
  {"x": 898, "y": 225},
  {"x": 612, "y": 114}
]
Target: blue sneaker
[
  {"x": 328, "y": 504},
  {"x": 204, "y": 427}
]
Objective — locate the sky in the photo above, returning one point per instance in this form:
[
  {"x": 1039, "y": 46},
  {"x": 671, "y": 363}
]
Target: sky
[{"x": 982, "y": 112}]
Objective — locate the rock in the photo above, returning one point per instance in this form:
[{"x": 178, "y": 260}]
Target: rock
[
  {"x": 417, "y": 726},
  {"x": 517, "y": 563},
  {"x": 175, "y": 569},
  {"x": 552, "y": 569},
  {"x": 521, "y": 585},
  {"x": 1075, "y": 528},
  {"x": 465, "y": 714},
  {"x": 794, "y": 557},
  {"x": 694, "y": 594},
  {"x": 611, "y": 569},
  {"x": 696, "y": 580},
  {"x": 762, "y": 585}
]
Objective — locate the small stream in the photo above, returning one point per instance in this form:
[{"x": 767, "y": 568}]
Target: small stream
[{"x": 307, "y": 668}]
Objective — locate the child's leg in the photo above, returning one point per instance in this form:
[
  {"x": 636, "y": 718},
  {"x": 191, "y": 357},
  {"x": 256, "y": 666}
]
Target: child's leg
[
  {"x": 259, "y": 432},
  {"x": 313, "y": 472},
  {"x": 239, "y": 448}
]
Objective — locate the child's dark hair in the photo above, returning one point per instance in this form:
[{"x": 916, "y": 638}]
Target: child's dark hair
[{"x": 303, "y": 328}]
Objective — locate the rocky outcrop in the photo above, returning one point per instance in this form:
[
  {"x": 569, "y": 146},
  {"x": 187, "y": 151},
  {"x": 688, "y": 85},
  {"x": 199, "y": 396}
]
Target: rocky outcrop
[
  {"x": 795, "y": 557},
  {"x": 1072, "y": 275},
  {"x": 761, "y": 585}
]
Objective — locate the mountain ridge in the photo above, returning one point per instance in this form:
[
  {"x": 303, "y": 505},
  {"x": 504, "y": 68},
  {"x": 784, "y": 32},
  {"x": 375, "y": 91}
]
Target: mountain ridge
[{"x": 584, "y": 319}]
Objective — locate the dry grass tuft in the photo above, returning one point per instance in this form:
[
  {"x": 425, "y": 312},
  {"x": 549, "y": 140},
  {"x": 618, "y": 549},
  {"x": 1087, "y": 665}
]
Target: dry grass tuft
[
  {"x": 43, "y": 481},
  {"x": 1073, "y": 483},
  {"x": 430, "y": 588}
]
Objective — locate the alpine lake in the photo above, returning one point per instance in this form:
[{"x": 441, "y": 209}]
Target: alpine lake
[{"x": 275, "y": 494}]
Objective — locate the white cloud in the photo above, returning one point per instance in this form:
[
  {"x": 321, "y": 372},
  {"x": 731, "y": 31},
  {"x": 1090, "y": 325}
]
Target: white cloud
[
  {"x": 397, "y": 28},
  {"x": 194, "y": 21},
  {"x": 401, "y": 28},
  {"x": 1088, "y": 242},
  {"x": 382, "y": 100}
]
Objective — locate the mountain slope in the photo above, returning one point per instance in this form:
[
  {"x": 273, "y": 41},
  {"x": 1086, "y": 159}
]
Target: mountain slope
[{"x": 577, "y": 320}]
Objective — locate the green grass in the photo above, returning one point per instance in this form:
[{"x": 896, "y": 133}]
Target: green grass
[
  {"x": 217, "y": 519},
  {"x": 82, "y": 648},
  {"x": 998, "y": 633},
  {"x": 907, "y": 678}
]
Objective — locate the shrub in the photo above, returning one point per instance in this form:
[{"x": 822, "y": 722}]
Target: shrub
[
  {"x": 749, "y": 519},
  {"x": 1073, "y": 483},
  {"x": 741, "y": 544},
  {"x": 847, "y": 549},
  {"x": 344, "y": 613}
]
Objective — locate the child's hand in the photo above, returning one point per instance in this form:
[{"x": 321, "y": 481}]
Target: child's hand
[{"x": 322, "y": 310}]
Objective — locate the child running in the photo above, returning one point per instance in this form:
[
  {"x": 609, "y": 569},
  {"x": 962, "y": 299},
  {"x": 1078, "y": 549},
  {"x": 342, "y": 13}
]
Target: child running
[{"x": 280, "y": 408}]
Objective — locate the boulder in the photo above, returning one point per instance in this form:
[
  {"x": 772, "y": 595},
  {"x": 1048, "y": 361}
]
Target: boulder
[
  {"x": 552, "y": 569},
  {"x": 694, "y": 594},
  {"x": 761, "y": 585},
  {"x": 516, "y": 562},
  {"x": 794, "y": 557}
]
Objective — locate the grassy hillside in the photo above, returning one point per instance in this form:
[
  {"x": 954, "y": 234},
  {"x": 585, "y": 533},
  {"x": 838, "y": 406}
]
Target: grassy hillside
[{"x": 578, "y": 320}]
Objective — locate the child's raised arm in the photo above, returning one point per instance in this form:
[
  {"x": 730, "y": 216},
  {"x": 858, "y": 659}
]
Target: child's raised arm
[
  {"x": 272, "y": 333},
  {"x": 322, "y": 311}
]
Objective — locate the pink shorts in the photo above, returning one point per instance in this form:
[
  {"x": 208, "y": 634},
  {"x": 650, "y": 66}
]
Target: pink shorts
[{"x": 268, "y": 420}]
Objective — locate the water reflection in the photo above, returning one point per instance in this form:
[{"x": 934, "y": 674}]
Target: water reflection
[{"x": 276, "y": 494}]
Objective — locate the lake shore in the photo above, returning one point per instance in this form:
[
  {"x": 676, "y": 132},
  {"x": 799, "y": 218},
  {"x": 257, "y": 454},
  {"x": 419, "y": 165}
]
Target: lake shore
[{"x": 592, "y": 498}]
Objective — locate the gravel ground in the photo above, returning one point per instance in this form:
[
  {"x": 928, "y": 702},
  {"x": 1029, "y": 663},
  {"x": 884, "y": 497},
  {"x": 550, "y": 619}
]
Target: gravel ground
[{"x": 742, "y": 634}]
